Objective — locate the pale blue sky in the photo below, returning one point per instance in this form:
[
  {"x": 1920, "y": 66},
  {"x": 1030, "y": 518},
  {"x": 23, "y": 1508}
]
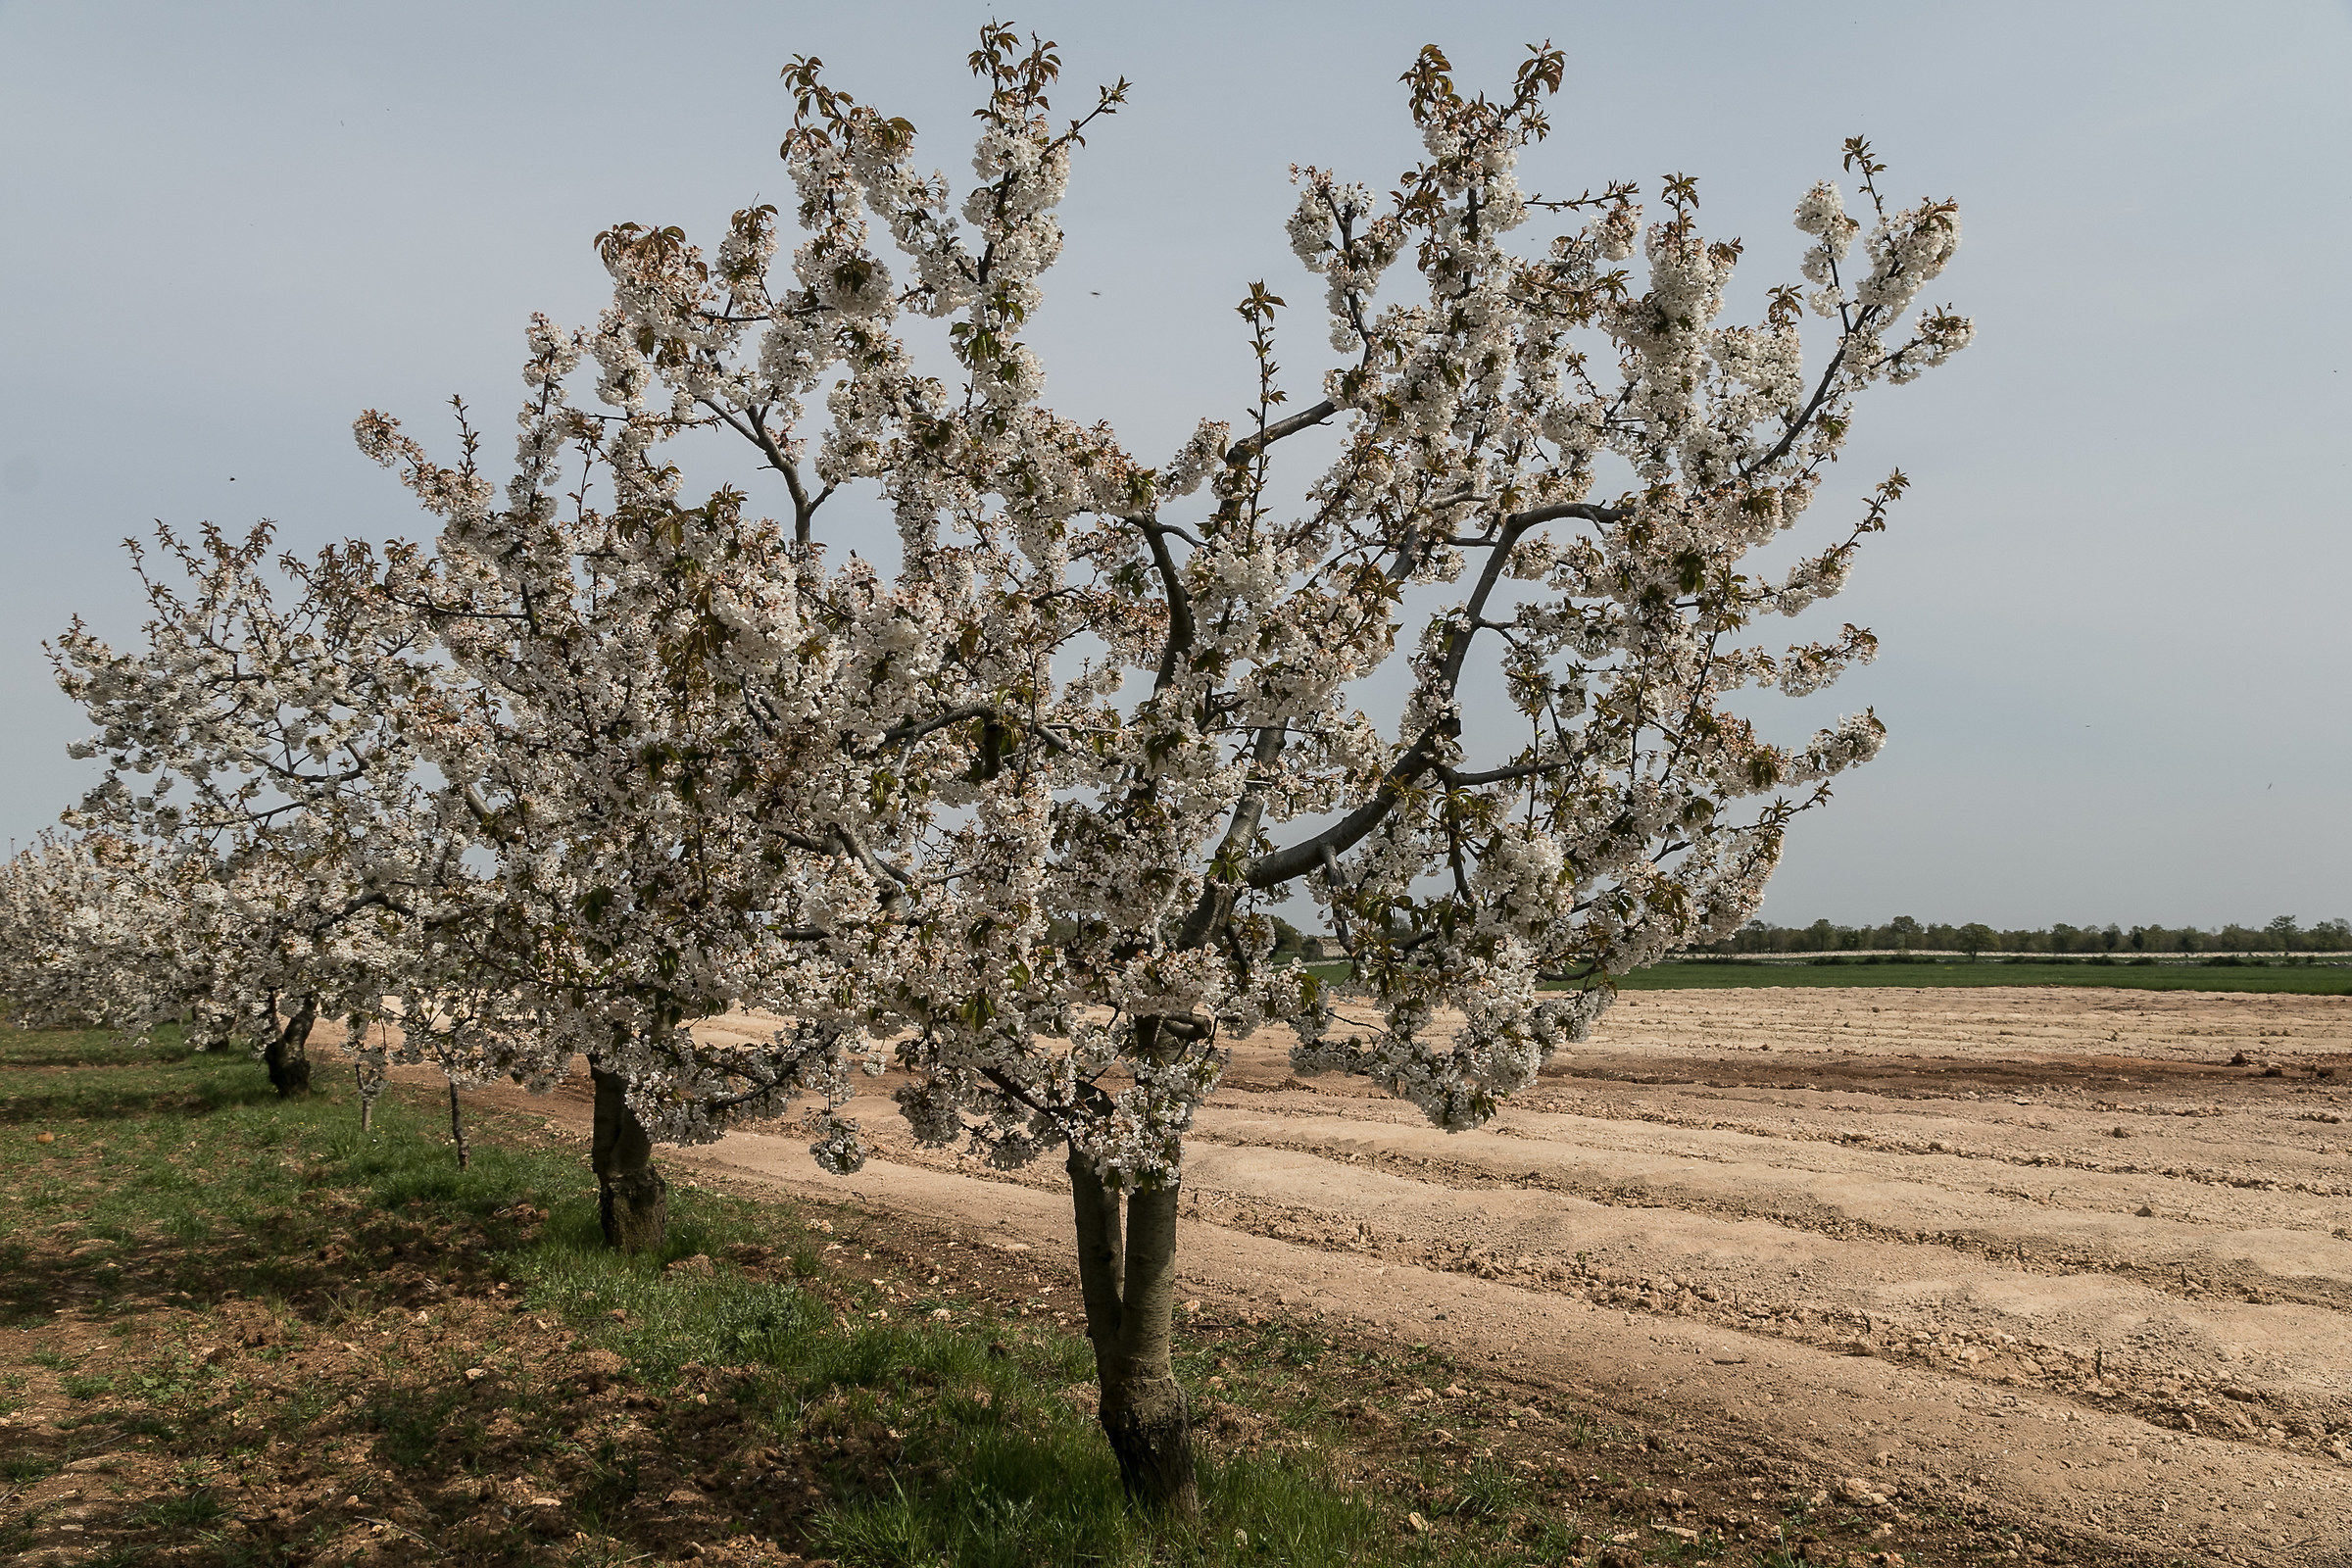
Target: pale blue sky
[{"x": 2114, "y": 656}]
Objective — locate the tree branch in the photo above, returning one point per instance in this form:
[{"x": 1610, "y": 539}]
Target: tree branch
[
  {"x": 1248, "y": 446},
  {"x": 1500, "y": 775},
  {"x": 914, "y": 729},
  {"x": 1217, "y": 899},
  {"x": 1273, "y": 869},
  {"x": 1180, "y": 602},
  {"x": 1604, "y": 515}
]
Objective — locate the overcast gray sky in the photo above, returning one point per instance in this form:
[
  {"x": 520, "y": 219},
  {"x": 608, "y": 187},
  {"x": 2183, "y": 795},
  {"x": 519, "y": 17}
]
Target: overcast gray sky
[{"x": 2112, "y": 615}]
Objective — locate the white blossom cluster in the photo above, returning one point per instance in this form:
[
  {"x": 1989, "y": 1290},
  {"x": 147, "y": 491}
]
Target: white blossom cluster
[
  {"x": 78, "y": 923},
  {"x": 1156, "y": 727},
  {"x": 659, "y": 733},
  {"x": 256, "y": 850},
  {"x": 1011, "y": 820}
]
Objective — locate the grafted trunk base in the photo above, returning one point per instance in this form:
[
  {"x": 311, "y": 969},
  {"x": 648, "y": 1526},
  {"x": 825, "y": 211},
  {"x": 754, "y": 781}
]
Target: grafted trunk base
[
  {"x": 290, "y": 1078},
  {"x": 634, "y": 1210},
  {"x": 1149, "y": 1425},
  {"x": 632, "y": 1202},
  {"x": 287, "y": 1055},
  {"x": 1127, "y": 1270}
]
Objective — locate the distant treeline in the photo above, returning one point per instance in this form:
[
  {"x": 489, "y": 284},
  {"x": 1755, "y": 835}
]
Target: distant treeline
[{"x": 1903, "y": 933}]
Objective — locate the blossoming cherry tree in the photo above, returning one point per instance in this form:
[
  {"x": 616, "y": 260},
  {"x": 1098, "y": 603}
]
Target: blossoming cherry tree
[{"x": 1081, "y": 874}]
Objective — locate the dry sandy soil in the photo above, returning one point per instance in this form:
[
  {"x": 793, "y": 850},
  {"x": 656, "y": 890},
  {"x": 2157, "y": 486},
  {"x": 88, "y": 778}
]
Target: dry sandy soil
[{"x": 2077, "y": 1259}]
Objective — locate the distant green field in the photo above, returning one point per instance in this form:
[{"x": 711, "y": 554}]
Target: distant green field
[{"x": 2319, "y": 980}]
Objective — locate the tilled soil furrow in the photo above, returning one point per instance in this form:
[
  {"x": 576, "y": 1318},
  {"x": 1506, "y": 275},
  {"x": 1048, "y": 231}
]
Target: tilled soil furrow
[
  {"x": 2286, "y": 1146},
  {"x": 2258, "y": 1159},
  {"x": 2083, "y": 1219},
  {"x": 2187, "y": 1028},
  {"x": 2204, "y": 1279},
  {"x": 1927, "y": 1133},
  {"x": 2263, "y": 1373}
]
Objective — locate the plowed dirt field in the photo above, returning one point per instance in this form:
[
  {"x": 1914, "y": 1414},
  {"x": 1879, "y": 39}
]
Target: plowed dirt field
[{"x": 2077, "y": 1258}]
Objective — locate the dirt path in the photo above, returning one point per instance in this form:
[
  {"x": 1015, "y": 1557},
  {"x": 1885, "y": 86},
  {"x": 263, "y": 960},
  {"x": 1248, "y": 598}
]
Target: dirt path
[{"x": 2081, "y": 1257}]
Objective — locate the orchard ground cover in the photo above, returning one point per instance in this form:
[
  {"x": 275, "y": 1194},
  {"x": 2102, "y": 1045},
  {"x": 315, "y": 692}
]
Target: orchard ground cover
[{"x": 236, "y": 1331}]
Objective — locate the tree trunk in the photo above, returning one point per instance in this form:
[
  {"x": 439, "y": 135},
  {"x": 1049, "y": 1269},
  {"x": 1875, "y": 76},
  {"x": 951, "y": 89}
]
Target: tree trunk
[
  {"x": 457, "y": 1127},
  {"x": 1130, "y": 1296},
  {"x": 632, "y": 1198},
  {"x": 288, "y": 1055}
]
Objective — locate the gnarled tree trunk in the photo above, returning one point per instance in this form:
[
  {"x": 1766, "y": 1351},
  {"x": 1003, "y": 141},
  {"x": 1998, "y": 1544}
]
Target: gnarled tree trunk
[
  {"x": 288, "y": 1055},
  {"x": 1130, "y": 1286},
  {"x": 632, "y": 1198}
]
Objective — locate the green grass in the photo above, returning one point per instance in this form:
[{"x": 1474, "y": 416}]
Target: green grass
[
  {"x": 99, "y": 1075},
  {"x": 2228, "y": 974},
  {"x": 989, "y": 1464},
  {"x": 190, "y": 1508}
]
